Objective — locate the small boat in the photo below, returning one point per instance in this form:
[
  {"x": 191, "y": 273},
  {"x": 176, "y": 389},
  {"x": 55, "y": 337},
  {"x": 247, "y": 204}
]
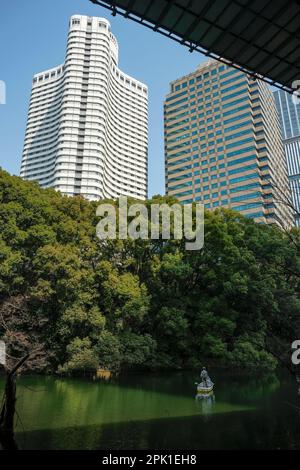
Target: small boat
[{"x": 205, "y": 389}]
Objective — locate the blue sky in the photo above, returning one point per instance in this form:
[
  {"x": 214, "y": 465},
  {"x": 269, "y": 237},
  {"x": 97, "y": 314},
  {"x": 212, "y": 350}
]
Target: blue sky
[{"x": 33, "y": 37}]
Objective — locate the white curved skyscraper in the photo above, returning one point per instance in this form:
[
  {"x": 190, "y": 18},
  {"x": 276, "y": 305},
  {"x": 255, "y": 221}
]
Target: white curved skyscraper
[{"x": 87, "y": 128}]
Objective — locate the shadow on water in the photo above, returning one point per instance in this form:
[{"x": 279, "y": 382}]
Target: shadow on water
[{"x": 244, "y": 430}]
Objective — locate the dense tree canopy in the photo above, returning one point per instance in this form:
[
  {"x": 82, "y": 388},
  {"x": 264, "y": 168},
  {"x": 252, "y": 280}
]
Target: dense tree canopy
[{"x": 85, "y": 303}]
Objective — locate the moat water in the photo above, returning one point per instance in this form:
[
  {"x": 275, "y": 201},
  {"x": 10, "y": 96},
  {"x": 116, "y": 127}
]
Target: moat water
[{"x": 158, "y": 411}]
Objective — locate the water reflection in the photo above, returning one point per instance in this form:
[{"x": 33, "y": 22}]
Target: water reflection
[
  {"x": 206, "y": 404},
  {"x": 157, "y": 411}
]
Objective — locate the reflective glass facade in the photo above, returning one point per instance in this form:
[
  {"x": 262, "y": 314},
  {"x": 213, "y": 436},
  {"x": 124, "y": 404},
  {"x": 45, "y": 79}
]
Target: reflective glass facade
[
  {"x": 289, "y": 115},
  {"x": 223, "y": 144}
]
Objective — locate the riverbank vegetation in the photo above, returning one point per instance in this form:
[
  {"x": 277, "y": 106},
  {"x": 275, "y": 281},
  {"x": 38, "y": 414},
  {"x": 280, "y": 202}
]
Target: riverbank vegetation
[{"x": 80, "y": 303}]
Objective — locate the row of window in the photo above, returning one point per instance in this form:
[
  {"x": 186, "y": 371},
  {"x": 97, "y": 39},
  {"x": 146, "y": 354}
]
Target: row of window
[
  {"x": 48, "y": 75},
  {"x": 204, "y": 76},
  {"x": 208, "y": 112}
]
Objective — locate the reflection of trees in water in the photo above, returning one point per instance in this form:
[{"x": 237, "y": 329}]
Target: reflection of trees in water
[
  {"x": 255, "y": 430},
  {"x": 74, "y": 405},
  {"x": 232, "y": 384},
  {"x": 249, "y": 388},
  {"x": 177, "y": 383}
]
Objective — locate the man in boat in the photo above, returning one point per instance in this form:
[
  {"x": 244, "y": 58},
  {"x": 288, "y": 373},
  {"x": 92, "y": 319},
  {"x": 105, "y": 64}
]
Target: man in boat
[{"x": 204, "y": 377}]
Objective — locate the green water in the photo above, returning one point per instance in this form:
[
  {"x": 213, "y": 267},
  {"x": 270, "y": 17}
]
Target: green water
[{"x": 158, "y": 411}]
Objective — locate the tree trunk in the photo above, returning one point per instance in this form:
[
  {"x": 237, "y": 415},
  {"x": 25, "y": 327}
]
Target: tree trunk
[
  {"x": 7, "y": 414},
  {"x": 9, "y": 405},
  {"x": 8, "y": 410}
]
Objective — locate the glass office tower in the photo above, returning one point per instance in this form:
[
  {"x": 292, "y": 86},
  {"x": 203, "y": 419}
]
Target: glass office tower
[
  {"x": 289, "y": 114},
  {"x": 223, "y": 144}
]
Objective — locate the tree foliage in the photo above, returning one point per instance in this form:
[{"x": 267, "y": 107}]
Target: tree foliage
[{"x": 123, "y": 303}]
